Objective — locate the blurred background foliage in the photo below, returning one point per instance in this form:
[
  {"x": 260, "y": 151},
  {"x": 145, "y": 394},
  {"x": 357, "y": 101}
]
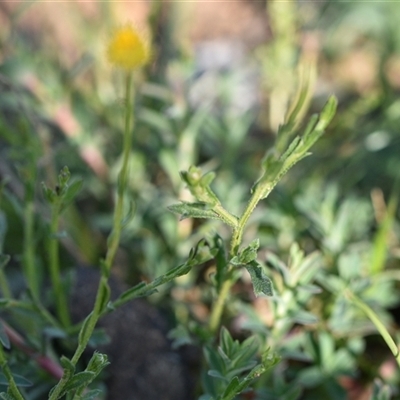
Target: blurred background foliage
[{"x": 214, "y": 95}]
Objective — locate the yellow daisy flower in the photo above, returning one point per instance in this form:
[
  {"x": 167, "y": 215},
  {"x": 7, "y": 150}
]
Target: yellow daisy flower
[{"x": 128, "y": 48}]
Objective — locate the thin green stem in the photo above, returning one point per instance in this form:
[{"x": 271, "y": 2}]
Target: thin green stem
[
  {"x": 218, "y": 307},
  {"x": 123, "y": 176},
  {"x": 12, "y": 387},
  {"x": 29, "y": 249},
  {"x": 86, "y": 334},
  {"x": 226, "y": 216},
  {"x": 237, "y": 235},
  {"x": 113, "y": 243},
  {"x": 378, "y": 324},
  {"x": 54, "y": 262}
]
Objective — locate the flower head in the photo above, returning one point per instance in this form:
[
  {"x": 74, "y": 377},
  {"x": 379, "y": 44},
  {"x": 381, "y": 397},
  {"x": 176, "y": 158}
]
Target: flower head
[{"x": 128, "y": 48}]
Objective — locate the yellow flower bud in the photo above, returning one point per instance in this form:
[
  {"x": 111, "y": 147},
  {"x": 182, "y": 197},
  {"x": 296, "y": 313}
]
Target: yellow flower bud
[{"x": 128, "y": 48}]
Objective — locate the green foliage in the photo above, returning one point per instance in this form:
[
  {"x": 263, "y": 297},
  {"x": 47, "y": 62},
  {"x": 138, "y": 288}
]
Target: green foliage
[
  {"x": 295, "y": 273},
  {"x": 229, "y": 364}
]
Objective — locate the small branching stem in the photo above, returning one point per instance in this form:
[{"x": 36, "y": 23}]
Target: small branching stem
[
  {"x": 113, "y": 241},
  {"x": 236, "y": 241},
  {"x": 115, "y": 235}
]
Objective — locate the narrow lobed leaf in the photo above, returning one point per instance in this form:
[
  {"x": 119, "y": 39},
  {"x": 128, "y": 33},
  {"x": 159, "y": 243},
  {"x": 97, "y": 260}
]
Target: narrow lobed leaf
[{"x": 261, "y": 283}]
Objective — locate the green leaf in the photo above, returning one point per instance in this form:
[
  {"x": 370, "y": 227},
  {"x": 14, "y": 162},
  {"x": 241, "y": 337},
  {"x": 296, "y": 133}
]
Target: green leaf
[
  {"x": 381, "y": 242},
  {"x": 84, "y": 329},
  {"x": 225, "y": 340},
  {"x": 4, "y": 340},
  {"x": 71, "y": 191},
  {"x": 232, "y": 387},
  {"x": 261, "y": 283},
  {"x": 199, "y": 185},
  {"x": 275, "y": 166},
  {"x": 180, "y": 336},
  {"x": 140, "y": 290},
  {"x": 80, "y": 379},
  {"x": 300, "y": 104},
  {"x": 67, "y": 365},
  {"x": 201, "y": 253},
  {"x": 63, "y": 177},
  {"x": 304, "y": 317},
  {"x": 310, "y": 377},
  {"x": 247, "y": 255},
  {"x": 248, "y": 350},
  {"x": 327, "y": 113},
  {"x": 19, "y": 380},
  {"x": 155, "y": 119},
  {"x": 244, "y": 383},
  {"x": 220, "y": 260},
  {"x": 49, "y": 195},
  {"x": 193, "y": 210},
  {"x": 216, "y": 374},
  {"x": 130, "y": 213},
  {"x": 97, "y": 363}
]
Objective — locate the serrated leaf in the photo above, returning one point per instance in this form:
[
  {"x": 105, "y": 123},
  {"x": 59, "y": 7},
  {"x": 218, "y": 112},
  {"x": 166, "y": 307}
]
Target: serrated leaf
[{"x": 261, "y": 283}]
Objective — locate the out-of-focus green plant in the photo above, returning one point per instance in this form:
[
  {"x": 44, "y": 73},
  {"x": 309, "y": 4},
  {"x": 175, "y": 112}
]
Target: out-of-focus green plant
[{"x": 321, "y": 259}]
